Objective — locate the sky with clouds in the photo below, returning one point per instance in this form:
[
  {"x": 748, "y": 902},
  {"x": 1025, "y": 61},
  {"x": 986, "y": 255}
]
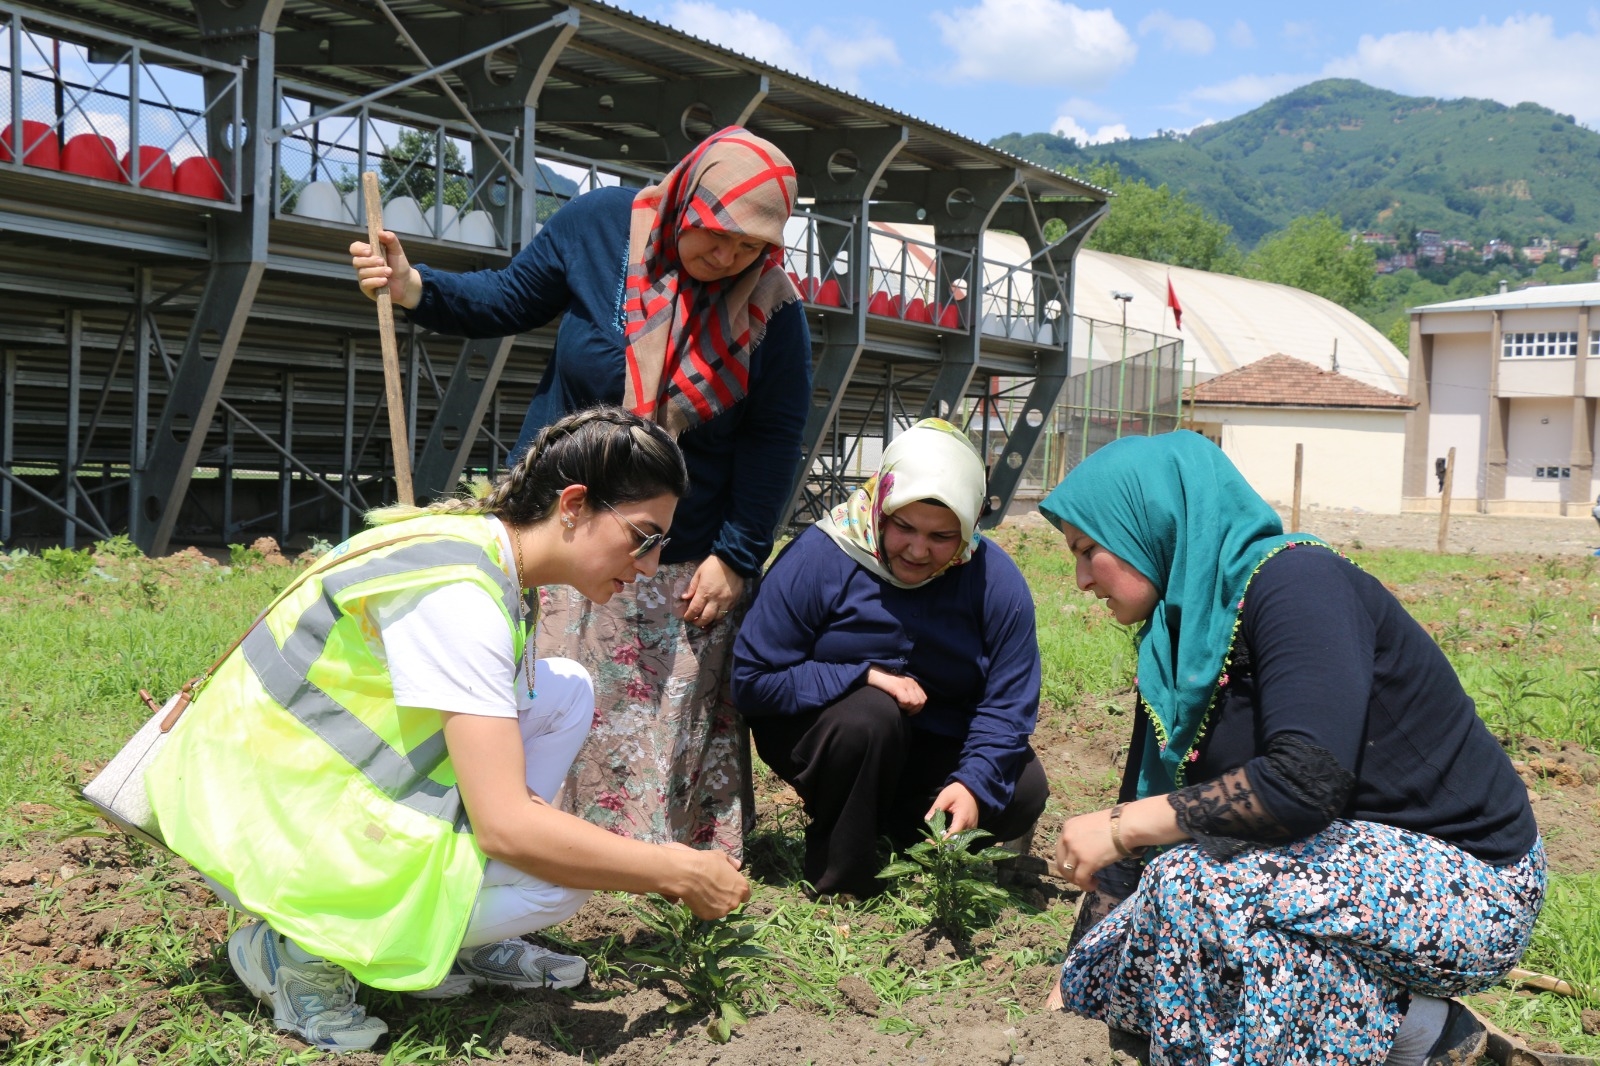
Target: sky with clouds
[{"x": 987, "y": 67}]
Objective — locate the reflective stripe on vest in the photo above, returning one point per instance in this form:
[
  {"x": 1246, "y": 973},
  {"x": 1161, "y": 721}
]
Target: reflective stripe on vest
[{"x": 285, "y": 674}]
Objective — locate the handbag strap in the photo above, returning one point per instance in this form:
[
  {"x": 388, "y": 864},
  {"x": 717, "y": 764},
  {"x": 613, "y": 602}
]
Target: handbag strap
[{"x": 187, "y": 693}]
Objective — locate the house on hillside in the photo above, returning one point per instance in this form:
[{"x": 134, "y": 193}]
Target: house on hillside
[
  {"x": 1352, "y": 433},
  {"x": 1510, "y": 381}
]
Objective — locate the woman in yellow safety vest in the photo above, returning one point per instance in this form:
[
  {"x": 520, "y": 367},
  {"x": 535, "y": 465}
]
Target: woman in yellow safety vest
[{"x": 370, "y": 771}]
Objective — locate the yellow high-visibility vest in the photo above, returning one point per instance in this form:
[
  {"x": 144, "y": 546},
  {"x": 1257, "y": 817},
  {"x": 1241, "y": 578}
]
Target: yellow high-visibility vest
[{"x": 294, "y": 781}]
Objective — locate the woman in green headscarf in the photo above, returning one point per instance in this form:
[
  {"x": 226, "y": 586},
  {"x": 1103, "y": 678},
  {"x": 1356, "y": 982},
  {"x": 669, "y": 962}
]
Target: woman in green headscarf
[{"x": 1323, "y": 835}]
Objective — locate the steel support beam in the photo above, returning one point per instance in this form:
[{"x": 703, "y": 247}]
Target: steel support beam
[
  {"x": 237, "y": 32},
  {"x": 1058, "y": 261},
  {"x": 8, "y": 420},
  {"x": 666, "y": 108},
  {"x": 69, "y": 467},
  {"x": 849, "y": 189},
  {"x": 964, "y": 202},
  {"x": 455, "y": 426}
]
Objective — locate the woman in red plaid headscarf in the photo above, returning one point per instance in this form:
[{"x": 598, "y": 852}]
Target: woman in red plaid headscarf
[{"x": 674, "y": 303}]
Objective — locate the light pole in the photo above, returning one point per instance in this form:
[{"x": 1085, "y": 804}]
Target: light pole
[{"x": 1122, "y": 298}]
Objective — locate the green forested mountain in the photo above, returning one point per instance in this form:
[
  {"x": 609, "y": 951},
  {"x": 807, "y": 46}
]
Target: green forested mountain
[{"x": 1472, "y": 169}]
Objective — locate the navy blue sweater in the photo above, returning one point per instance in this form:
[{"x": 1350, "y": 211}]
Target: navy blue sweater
[
  {"x": 1326, "y": 652},
  {"x": 820, "y": 620},
  {"x": 741, "y": 463}
]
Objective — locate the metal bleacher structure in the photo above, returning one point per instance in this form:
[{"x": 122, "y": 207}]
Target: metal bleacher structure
[{"x": 186, "y": 356}]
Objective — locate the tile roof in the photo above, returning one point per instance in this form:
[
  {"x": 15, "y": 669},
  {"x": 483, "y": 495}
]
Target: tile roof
[{"x": 1283, "y": 381}]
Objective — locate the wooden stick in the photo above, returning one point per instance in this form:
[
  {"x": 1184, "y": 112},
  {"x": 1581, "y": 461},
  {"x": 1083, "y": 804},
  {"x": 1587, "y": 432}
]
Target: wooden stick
[
  {"x": 1299, "y": 462},
  {"x": 1545, "y": 983},
  {"x": 1444, "y": 499},
  {"x": 400, "y": 438}
]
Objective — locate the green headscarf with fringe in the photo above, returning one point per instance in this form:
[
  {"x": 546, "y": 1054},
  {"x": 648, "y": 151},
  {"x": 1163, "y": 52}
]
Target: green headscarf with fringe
[{"x": 1178, "y": 511}]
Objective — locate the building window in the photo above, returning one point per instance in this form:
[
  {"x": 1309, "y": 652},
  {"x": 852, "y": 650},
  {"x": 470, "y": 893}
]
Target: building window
[
  {"x": 1551, "y": 473},
  {"x": 1594, "y": 344},
  {"x": 1555, "y": 344}
]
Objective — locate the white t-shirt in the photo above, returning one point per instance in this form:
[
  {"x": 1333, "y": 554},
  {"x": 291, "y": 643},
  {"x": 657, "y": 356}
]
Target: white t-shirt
[{"x": 448, "y": 648}]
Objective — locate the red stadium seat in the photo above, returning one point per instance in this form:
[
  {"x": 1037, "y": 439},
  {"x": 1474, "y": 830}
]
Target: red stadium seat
[
  {"x": 200, "y": 176},
  {"x": 828, "y": 293},
  {"x": 880, "y": 304},
  {"x": 918, "y": 311},
  {"x": 153, "y": 171},
  {"x": 92, "y": 156},
  {"x": 950, "y": 316},
  {"x": 40, "y": 147}
]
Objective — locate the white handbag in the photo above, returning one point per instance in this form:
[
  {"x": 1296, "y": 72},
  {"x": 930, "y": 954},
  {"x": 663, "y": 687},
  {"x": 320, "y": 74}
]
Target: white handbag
[{"x": 118, "y": 790}]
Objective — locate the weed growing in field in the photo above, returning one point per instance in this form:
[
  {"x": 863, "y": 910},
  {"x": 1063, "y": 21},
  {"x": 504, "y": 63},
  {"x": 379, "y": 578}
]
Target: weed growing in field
[
  {"x": 243, "y": 558},
  {"x": 66, "y": 566},
  {"x": 1513, "y": 691},
  {"x": 955, "y": 882},
  {"x": 697, "y": 954}
]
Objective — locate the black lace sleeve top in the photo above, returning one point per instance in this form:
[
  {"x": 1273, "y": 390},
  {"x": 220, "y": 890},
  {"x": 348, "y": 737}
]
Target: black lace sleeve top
[{"x": 1337, "y": 704}]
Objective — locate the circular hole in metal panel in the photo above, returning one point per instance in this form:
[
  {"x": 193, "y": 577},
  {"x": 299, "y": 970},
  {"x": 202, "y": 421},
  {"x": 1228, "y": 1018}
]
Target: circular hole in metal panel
[
  {"x": 959, "y": 203},
  {"x": 843, "y": 165},
  {"x": 697, "y": 122},
  {"x": 1034, "y": 417},
  {"x": 1014, "y": 461}
]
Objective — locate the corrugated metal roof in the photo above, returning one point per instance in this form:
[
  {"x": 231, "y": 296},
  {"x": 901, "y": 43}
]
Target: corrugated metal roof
[
  {"x": 1523, "y": 299},
  {"x": 612, "y": 46}
]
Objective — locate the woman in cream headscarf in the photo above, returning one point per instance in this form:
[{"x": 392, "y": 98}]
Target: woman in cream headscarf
[
  {"x": 675, "y": 304},
  {"x": 889, "y": 667}
]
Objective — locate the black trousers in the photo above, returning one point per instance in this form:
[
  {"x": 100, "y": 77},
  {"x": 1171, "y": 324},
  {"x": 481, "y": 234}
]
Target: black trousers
[{"x": 865, "y": 772}]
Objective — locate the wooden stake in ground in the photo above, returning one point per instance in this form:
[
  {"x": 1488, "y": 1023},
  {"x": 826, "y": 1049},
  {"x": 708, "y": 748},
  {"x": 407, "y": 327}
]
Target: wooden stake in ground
[
  {"x": 399, "y": 437},
  {"x": 1299, "y": 462},
  {"x": 1444, "y": 499}
]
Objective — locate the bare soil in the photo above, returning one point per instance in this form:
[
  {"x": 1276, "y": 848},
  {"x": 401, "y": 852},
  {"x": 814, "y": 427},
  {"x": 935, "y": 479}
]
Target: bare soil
[{"x": 62, "y": 905}]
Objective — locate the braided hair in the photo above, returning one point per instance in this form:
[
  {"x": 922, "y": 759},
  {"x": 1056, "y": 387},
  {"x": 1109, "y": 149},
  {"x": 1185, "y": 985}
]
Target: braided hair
[{"x": 618, "y": 456}]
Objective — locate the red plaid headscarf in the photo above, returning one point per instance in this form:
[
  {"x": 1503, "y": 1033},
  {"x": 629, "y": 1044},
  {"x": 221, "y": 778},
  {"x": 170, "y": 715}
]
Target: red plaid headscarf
[{"x": 689, "y": 343}]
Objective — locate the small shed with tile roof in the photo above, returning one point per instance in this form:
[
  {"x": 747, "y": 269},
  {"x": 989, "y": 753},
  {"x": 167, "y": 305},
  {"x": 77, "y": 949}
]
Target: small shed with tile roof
[{"x": 1352, "y": 433}]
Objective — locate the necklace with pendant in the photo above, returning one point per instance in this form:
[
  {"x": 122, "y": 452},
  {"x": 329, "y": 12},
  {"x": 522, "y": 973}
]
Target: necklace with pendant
[{"x": 530, "y": 615}]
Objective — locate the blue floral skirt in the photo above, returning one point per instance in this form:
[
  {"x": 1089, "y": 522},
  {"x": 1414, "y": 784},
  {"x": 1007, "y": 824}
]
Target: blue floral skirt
[{"x": 1299, "y": 954}]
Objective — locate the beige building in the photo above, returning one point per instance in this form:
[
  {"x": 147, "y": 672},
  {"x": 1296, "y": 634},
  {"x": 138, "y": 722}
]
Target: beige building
[
  {"x": 1510, "y": 382},
  {"x": 1351, "y": 434}
]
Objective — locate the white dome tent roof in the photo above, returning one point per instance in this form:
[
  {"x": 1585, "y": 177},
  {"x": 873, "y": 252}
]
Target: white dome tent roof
[{"x": 1228, "y": 321}]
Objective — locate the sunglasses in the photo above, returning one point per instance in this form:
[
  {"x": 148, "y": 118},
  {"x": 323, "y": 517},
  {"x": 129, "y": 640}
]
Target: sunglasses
[{"x": 648, "y": 542}]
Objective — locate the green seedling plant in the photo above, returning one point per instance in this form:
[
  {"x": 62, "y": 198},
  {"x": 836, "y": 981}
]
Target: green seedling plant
[
  {"x": 699, "y": 956},
  {"x": 951, "y": 881}
]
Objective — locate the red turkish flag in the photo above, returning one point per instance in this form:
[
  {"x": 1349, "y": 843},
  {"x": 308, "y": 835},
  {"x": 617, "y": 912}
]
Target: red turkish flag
[{"x": 1172, "y": 302}]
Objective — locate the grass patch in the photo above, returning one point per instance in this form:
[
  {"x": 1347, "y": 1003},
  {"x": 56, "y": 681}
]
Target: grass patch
[{"x": 81, "y": 635}]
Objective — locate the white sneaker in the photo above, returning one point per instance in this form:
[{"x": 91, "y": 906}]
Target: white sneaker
[
  {"x": 511, "y": 963},
  {"x": 310, "y": 996}
]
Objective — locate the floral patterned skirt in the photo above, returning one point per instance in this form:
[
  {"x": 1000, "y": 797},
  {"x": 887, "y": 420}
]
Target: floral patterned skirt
[
  {"x": 668, "y": 758},
  {"x": 1298, "y": 954}
]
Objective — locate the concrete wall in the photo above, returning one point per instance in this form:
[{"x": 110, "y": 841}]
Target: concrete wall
[
  {"x": 1536, "y": 377},
  {"x": 1459, "y": 397},
  {"x": 1538, "y": 433},
  {"x": 1353, "y": 458}
]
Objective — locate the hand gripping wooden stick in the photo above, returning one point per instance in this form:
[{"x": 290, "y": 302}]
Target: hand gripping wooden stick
[{"x": 400, "y": 439}]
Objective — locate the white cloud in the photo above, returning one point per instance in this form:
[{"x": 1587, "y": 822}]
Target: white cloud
[
  {"x": 1036, "y": 42},
  {"x": 827, "y": 54},
  {"x": 1241, "y": 36},
  {"x": 1250, "y": 89},
  {"x": 1179, "y": 35},
  {"x": 847, "y": 56},
  {"x": 1522, "y": 58},
  {"x": 1067, "y": 126},
  {"x": 741, "y": 30}
]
